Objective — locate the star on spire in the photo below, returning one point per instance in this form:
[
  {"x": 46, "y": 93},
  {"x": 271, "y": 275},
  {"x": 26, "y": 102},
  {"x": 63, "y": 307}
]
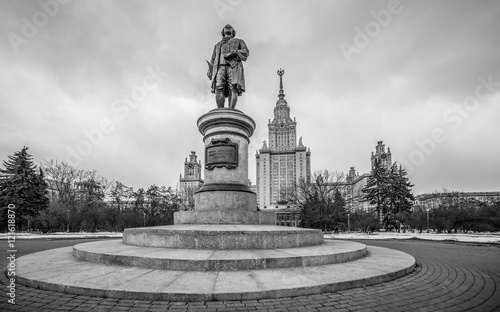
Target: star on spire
[{"x": 281, "y": 95}]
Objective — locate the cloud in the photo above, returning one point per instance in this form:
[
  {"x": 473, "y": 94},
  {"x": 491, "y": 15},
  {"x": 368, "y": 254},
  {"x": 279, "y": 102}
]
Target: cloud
[{"x": 65, "y": 80}]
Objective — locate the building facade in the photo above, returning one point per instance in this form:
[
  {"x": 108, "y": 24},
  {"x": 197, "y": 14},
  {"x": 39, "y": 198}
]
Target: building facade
[
  {"x": 382, "y": 156},
  {"x": 354, "y": 191},
  {"x": 191, "y": 181},
  {"x": 356, "y": 182},
  {"x": 433, "y": 200},
  {"x": 288, "y": 216},
  {"x": 284, "y": 162}
]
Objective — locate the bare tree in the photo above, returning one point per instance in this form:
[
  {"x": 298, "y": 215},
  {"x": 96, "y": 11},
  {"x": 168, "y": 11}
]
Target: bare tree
[
  {"x": 77, "y": 196},
  {"x": 121, "y": 195},
  {"x": 62, "y": 179},
  {"x": 321, "y": 201},
  {"x": 187, "y": 203}
]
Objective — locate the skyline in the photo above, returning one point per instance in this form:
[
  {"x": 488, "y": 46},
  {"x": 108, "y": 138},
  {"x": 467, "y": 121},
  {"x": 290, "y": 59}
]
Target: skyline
[{"x": 422, "y": 77}]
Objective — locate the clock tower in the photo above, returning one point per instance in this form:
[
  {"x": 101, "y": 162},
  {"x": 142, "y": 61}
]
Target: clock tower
[
  {"x": 382, "y": 156},
  {"x": 191, "y": 181}
]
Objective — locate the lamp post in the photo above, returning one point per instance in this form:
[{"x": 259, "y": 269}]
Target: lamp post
[
  {"x": 67, "y": 230},
  {"x": 427, "y": 210},
  {"x": 348, "y": 223}
]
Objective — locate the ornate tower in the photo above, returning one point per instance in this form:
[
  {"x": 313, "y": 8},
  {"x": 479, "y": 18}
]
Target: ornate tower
[
  {"x": 284, "y": 162},
  {"x": 282, "y": 130},
  {"x": 382, "y": 156},
  {"x": 192, "y": 168},
  {"x": 191, "y": 181}
]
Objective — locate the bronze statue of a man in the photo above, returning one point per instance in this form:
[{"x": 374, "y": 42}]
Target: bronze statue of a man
[{"x": 228, "y": 80}]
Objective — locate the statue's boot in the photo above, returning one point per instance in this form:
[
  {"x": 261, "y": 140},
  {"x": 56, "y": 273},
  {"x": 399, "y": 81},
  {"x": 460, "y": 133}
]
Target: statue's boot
[
  {"x": 233, "y": 98},
  {"x": 219, "y": 99}
]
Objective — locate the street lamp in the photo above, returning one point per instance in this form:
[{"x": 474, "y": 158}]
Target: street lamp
[
  {"x": 427, "y": 210},
  {"x": 67, "y": 230},
  {"x": 348, "y": 223}
]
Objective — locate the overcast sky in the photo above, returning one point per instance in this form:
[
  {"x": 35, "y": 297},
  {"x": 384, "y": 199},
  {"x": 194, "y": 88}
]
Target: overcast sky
[{"x": 423, "y": 76}]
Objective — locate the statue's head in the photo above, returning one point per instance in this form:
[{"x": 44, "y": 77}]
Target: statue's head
[{"x": 228, "y": 31}]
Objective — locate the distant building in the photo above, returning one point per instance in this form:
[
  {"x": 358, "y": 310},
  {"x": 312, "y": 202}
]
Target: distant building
[
  {"x": 284, "y": 162},
  {"x": 191, "y": 181},
  {"x": 382, "y": 156},
  {"x": 353, "y": 191},
  {"x": 287, "y": 216},
  {"x": 433, "y": 200},
  {"x": 86, "y": 189},
  {"x": 53, "y": 192},
  {"x": 355, "y": 182}
]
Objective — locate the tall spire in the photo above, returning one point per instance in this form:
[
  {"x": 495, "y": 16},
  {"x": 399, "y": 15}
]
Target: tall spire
[{"x": 281, "y": 95}]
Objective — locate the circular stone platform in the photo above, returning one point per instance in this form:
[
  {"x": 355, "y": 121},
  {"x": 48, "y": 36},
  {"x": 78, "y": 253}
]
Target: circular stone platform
[
  {"x": 59, "y": 270},
  {"x": 222, "y": 236},
  {"x": 113, "y": 252}
]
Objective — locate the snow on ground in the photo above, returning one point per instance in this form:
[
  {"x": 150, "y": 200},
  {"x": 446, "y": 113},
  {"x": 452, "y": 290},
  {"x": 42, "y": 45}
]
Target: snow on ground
[
  {"x": 470, "y": 238},
  {"x": 61, "y": 235}
]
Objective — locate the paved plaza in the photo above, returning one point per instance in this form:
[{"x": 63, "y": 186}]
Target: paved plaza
[{"x": 448, "y": 277}]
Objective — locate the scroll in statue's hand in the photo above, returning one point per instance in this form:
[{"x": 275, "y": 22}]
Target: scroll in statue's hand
[{"x": 210, "y": 70}]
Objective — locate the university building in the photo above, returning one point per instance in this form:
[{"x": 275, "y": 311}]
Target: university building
[
  {"x": 283, "y": 162},
  {"x": 352, "y": 189},
  {"x": 433, "y": 200},
  {"x": 356, "y": 182},
  {"x": 191, "y": 181}
]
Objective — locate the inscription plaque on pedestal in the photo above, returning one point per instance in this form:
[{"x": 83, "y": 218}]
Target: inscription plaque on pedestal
[{"x": 221, "y": 153}]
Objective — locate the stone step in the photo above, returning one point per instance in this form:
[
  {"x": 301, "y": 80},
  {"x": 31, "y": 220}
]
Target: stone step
[
  {"x": 58, "y": 270},
  {"x": 113, "y": 252},
  {"x": 222, "y": 236},
  {"x": 219, "y": 216}
]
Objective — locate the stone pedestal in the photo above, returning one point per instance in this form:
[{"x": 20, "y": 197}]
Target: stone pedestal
[{"x": 225, "y": 197}]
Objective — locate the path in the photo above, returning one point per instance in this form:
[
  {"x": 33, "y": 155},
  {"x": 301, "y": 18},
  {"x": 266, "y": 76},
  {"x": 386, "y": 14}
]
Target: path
[{"x": 449, "y": 277}]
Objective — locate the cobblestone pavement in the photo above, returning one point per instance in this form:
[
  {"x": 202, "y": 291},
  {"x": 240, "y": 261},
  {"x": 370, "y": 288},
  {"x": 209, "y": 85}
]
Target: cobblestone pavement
[{"x": 448, "y": 277}]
